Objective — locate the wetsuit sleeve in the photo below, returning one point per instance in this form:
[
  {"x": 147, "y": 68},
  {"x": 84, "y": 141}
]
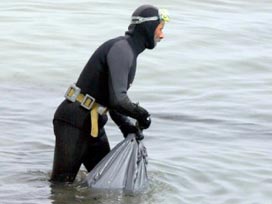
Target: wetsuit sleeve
[
  {"x": 119, "y": 119},
  {"x": 119, "y": 62},
  {"x": 123, "y": 122}
]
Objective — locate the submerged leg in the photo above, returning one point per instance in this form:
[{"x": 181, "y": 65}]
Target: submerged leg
[
  {"x": 97, "y": 149},
  {"x": 69, "y": 150}
]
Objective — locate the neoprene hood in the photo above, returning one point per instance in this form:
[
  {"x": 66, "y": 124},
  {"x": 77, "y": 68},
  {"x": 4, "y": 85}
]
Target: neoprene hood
[{"x": 145, "y": 31}]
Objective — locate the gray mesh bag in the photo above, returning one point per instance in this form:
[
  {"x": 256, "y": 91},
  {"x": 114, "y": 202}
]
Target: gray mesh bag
[{"x": 123, "y": 168}]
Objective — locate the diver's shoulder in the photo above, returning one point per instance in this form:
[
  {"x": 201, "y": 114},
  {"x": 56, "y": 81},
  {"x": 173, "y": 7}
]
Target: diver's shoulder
[
  {"x": 120, "y": 44},
  {"x": 117, "y": 42}
]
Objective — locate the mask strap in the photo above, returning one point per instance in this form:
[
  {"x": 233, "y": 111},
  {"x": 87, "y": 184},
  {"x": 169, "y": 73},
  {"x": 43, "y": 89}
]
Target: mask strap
[{"x": 139, "y": 19}]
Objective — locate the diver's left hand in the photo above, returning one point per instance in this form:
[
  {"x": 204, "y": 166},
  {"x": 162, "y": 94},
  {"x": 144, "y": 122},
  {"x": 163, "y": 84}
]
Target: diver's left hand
[
  {"x": 128, "y": 129},
  {"x": 139, "y": 135}
]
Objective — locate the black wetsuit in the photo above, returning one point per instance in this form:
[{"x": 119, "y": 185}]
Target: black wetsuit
[{"x": 107, "y": 76}]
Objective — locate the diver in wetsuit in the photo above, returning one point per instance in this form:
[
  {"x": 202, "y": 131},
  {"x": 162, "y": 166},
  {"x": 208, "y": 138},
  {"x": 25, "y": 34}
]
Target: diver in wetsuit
[{"x": 102, "y": 87}]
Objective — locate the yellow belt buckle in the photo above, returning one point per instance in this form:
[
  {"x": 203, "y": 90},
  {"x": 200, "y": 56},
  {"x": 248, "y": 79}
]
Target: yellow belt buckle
[
  {"x": 94, "y": 120},
  {"x": 87, "y": 102},
  {"x": 72, "y": 93}
]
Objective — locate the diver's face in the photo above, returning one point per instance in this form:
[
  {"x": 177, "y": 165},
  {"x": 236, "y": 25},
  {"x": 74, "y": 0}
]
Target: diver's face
[{"x": 159, "y": 35}]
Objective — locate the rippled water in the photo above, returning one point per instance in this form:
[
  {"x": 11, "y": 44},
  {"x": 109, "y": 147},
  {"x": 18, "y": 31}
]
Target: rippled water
[{"x": 208, "y": 86}]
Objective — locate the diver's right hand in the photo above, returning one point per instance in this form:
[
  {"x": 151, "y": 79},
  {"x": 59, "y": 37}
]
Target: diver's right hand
[
  {"x": 144, "y": 122},
  {"x": 144, "y": 119}
]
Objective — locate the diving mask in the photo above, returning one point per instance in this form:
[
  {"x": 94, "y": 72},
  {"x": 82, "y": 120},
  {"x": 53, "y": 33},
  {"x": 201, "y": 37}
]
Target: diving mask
[{"x": 163, "y": 16}]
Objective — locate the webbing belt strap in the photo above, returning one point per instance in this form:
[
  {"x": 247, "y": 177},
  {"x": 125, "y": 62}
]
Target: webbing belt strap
[
  {"x": 93, "y": 113},
  {"x": 88, "y": 103},
  {"x": 94, "y": 120}
]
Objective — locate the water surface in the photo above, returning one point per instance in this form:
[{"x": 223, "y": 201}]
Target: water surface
[{"x": 207, "y": 85}]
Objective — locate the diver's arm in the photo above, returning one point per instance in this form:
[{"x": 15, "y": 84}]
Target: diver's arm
[
  {"x": 123, "y": 122},
  {"x": 119, "y": 62}
]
